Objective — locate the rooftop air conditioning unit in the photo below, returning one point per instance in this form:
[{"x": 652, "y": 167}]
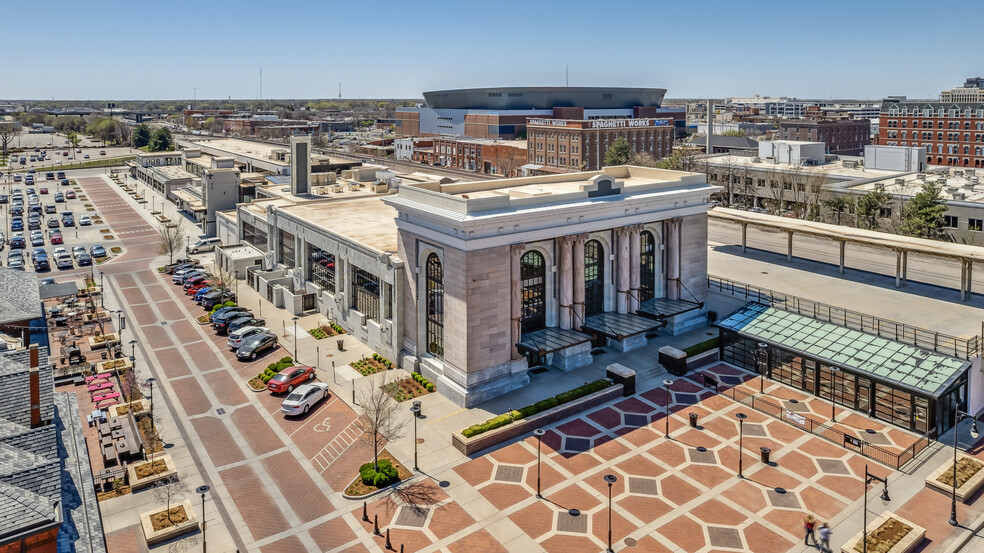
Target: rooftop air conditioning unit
[
  {"x": 969, "y": 172},
  {"x": 880, "y": 186},
  {"x": 756, "y": 159},
  {"x": 959, "y": 195},
  {"x": 900, "y": 181}
]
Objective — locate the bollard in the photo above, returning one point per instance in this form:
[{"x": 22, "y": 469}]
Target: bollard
[
  {"x": 401, "y": 548},
  {"x": 375, "y": 524},
  {"x": 365, "y": 514},
  {"x": 693, "y": 420},
  {"x": 389, "y": 546}
]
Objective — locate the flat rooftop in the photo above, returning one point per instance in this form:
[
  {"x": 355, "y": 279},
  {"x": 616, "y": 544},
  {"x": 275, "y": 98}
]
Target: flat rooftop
[
  {"x": 956, "y": 184},
  {"x": 367, "y": 221},
  {"x": 243, "y": 148},
  {"x": 833, "y": 169},
  {"x": 173, "y": 172}
]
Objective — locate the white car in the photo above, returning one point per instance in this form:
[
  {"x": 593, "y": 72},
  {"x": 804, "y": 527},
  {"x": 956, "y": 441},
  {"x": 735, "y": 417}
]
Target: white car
[
  {"x": 305, "y": 396},
  {"x": 85, "y": 221},
  {"x": 237, "y": 338}
]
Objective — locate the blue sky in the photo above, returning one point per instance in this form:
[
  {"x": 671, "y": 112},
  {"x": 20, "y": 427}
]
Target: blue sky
[{"x": 106, "y": 49}]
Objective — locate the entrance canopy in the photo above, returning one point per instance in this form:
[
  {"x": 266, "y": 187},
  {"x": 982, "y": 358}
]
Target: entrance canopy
[
  {"x": 907, "y": 366},
  {"x": 549, "y": 340},
  {"x": 620, "y": 325},
  {"x": 663, "y": 308}
]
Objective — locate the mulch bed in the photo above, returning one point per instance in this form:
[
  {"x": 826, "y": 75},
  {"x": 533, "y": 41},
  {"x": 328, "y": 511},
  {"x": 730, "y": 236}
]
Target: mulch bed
[
  {"x": 885, "y": 536},
  {"x": 144, "y": 426},
  {"x": 162, "y": 519},
  {"x": 966, "y": 469},
  {"x": 120, "y": 491},
  {"x": 404, "y": 389},
  {"x": 146, "y": 470},
  {"x": 357, "y": 488}
]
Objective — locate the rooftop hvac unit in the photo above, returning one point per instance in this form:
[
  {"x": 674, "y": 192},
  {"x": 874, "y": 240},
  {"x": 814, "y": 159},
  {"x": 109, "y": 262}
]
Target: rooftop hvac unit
[
  {"x": 880, "y": 186},
  {"x": 957, "y": 173},
  {"x": 756, "y": 159},
  {"x": 969, "y": 172},
  {"x": 959, "y": 196},
  {"x": 951, "y": 189},
  {"x": 900, "y": 181},
  {"x": 850, "y": 164}
]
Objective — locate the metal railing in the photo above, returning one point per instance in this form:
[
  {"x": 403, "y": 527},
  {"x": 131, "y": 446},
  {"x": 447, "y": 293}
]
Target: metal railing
[
  {"x": 825, "y": 430},
  {"x": 962, "y": 348}
]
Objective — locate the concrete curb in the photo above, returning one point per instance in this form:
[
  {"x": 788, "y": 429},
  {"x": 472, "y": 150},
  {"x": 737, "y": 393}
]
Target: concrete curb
[
  {"x": 391, "y": 487},
  {"x": 958, "y": 544}
]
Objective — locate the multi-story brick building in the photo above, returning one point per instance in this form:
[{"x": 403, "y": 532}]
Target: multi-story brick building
[
  {"x": 842, "y": 136},
  {"x": 581, "y": 144},
  {"x": 951, "y": 132},
  {"x": 491, "y": 157}
]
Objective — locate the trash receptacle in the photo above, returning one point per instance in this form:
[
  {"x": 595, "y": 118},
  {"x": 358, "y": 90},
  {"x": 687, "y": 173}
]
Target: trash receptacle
[
  {"x": 340, "y": 343},
  {"x": 765, "y": 454},
  {"x": 417, "y": 409},
  {"x": 693, "y": 420}
]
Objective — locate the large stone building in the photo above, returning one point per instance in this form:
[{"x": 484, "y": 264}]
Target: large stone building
[
  {"x": 469, "y": 282},
  {"x": 581, "y": 144}
]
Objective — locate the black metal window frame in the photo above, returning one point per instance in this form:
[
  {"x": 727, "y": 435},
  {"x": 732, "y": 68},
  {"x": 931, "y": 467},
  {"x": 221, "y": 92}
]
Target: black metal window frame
[
  {"x": 594, "y": 278},
  {"x": 365, "y": 297},
  {"x": 647, "y": 266},
  {"x": 434, "y": 290},
  {"x": 533, "y": 281},
  {"x": 286, "y": 248},
  {"x": 321, "y": 268},
  {"x": 255, "y": 236}
]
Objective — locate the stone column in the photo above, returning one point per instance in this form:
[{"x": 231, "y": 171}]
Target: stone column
[
  {"x": 579, "y": 241},
  {"x": 516, "y": 296},
  {"x": 565, "y": 281},
  {"x": 635, "y": 267},
  {"x": 622, "y": 270},
  {"x": 673, "y": 259}
]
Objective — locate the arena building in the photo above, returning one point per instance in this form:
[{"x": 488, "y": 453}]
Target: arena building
[{"x": 526, "y": 271}]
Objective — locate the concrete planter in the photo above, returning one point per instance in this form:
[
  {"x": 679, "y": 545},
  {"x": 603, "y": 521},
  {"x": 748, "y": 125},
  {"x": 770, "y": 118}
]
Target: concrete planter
[
  {"x": 704, "y": 359},
  {"x": 964, "y": 492},
  {"x": 144, "y": 403},
  {"x": 171, "y": 532},
  {"x": 121, "y": 364},
  {"x": 908, "y": 543},
  {"x": 108, "y": 339},
  {"x": 131, "y": 473},
  {"x": 527, "y": 425}
]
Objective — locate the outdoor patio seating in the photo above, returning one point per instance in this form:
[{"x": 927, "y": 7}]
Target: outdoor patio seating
[
  {"x": 108, "y": 402},
  {"x": 100, "y": 376},
  {"x": 107, "y": 385},
  {"x": 112, "y": 395}
]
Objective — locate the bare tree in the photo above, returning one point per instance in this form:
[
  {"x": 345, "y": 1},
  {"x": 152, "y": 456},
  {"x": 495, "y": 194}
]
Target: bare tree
[
  {"x": 172, "y": 238},
  {"x": 169, "y": 490},
  {"x": 642, "y": 159},
  {"x": 222, "y": 278},
  {"x": 506, "y": 161},
  {"x": 7, "y": 133},
  {"x": 185, "y": 544},
  {"x": 130, "y": 386},
  {"x": 154, "y": 439},
  {"x": 381, "y": 420}
]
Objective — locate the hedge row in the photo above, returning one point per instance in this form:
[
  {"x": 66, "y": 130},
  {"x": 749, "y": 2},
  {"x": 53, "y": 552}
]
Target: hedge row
[
  {"x": 419, "y": 379},
  {"x": 273, "y": 368},
  {"x": 543, "y": 405}
]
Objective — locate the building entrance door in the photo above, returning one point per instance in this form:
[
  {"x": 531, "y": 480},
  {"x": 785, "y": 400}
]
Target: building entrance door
[{"x": 863, "y": 400}]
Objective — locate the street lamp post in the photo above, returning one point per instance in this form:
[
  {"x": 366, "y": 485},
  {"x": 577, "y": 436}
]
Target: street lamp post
[
  {"x": 610, "y": 478},
  {"x": 151, "y": 381},
  {"x": 416, "y": 413},
  {"x": 666, "y": 389},
  {"x": 102, "y": 290},
  {"x": 958, "y": 416},
  {"x": 295, "y": 337},
  {"x": 133, "y": 348},
  {"x": 203, "y": 489},
  {"x": 868, "y": 479},
  {"x": 539, "y": 432},
  {"x": 741, "y": 428}
]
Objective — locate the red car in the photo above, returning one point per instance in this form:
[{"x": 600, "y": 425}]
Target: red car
[
  {"x": 194, "y": 289},
  {"x": 56, "y": 238},
  {"x": 70, "y": 195},
  {"x": 43, "y": 190},
  {"x": 287, "y": 379}
]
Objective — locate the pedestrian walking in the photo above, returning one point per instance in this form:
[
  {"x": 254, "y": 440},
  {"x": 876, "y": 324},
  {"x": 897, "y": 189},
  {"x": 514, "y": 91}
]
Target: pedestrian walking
[
  {"x": 809, "y": 527},
  {"x": 824, "y": 534}
]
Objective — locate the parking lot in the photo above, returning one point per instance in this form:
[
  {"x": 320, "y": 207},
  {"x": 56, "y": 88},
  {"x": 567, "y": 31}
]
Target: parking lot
[
  {"x": 65, "y": 218},
  {"x": 57, "y": 150}
]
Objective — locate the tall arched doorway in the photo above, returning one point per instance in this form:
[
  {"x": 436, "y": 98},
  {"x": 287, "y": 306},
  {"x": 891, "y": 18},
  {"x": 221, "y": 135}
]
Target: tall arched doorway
[
  {"x": 594, "y": 278},
  {"x": 647, "y": 266},
  {"x": 533, "y": 279}
]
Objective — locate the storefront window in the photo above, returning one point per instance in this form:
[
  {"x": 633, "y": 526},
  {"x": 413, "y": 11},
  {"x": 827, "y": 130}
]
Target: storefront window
[
  {"x": 647, "y": 266},
  {"x": 893, "y": 405},
  {"x": 594, "y": 278}
]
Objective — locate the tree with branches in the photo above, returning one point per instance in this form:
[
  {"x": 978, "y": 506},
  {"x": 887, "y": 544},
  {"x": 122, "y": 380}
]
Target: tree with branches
[
  {"x": 381, "y": 420},
  {"x": 172, "y": 238},
  {"x": 870, "y": 208},
  {"x": 618, "y": 153},
  {"x": 8, "y": 130},
  {"x": 922, "y": 216},
  {"x": 836, "y": 204},
  {"x": 168, "y": 491}
]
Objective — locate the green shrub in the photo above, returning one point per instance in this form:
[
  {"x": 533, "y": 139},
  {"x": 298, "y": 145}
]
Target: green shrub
[
  {"x": 545, "y": 404},
  {"x": 429, "y": 386},
  {"x": 287, "y": 360},
  {"x": 385, "y": 476},
  {"x": 706, "y": 345}
]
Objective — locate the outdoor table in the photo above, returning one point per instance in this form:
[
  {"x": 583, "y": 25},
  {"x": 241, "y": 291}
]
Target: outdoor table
[
  {"x": 60, "y": 321},
  {"x": 98, "y": 414}
]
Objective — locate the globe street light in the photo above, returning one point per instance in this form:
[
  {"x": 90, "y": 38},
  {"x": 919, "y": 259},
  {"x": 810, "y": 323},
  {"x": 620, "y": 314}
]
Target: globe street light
[
  {"x": 416, "y": 413},
  {"x": 666, "y": 389},
  {"x": 958, "y": 416},
  {"x": 295, "y": 338},
  {"x": 203, "y": 489},
  {"x": 539, "y": 432},
  {"x": 610, "y": 478},
  {"x": 741, "y": 427}
]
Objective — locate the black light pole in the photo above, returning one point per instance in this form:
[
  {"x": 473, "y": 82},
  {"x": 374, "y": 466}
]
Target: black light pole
[
  {"x": 763, "y": 359},
  {"x": 741, "y": 428},
  {"x": 958, "y": 416},
  {"x": 666, "y": 388},
  {"x": 133, "y": 349},
  {"x": 610, "y": 478},
  {"x": 151, "y": 381},
  {"x": 102, "y": 291},
  {"x": 416, "y": 413},
  {"x": 203, "y": 489},
  {"x": 295, "y": 338},
  {"x": 868, "y": 479},
  {"x": 539, "y": 438}
]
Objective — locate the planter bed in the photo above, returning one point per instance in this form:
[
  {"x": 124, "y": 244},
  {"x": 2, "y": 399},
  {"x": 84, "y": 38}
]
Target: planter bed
[
  {"x": 357, "y": 490},
  {"x": 970, "y": 477},
  {"x": 140, "y": 407},
  {"x": 523, "y": 426},
  {"x": 165, "y": 467},
  {"x": 888, "y": 534},
  {"x": 371, "y": 365},
  {"x": 326, "y": 331},
  {"x": 156, "y": 536},
  {"x": 120, "y": 364},
  {"x": 404, "y": 389},
  {"x": 107, "y": 339}
]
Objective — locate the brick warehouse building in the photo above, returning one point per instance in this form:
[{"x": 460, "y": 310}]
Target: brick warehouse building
[
  {"x": 491, "y": 157},
  {"x": 952, "y": 133},
  {"x": 581, "y": 144},
  {"x": 842, "y": 136}
]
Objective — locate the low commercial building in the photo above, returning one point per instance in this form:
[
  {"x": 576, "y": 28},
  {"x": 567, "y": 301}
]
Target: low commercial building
[
  {"x": 581, "y": 144},
  {"x": 490, "y": 157},
  {"x": 841, "y": 136},
  {"x": 404, "y": 148},
  {"x": 627, "y": 246}
]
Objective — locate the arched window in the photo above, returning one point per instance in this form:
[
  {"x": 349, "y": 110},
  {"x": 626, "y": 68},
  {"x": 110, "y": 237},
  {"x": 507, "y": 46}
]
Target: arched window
[
  {"x": 594, "y": 278},
  {"x": 435, "y": 306},
  {"x": 533, "y": 279},
  {"x": 647, "y": 266}
]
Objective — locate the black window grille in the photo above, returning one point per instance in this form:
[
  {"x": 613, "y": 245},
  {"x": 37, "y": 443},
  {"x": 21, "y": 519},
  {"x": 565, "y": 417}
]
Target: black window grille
[
  {"x": 321, "y": 267},
  {"x": 647, "y": 264},
  {"x": 286, "y": 248},
  {"x": 366, "y": 297},
  {"x": 533, "y": 277},
  {"x": 435, "y": 306},
  {"x": 594, "y": 278}
]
